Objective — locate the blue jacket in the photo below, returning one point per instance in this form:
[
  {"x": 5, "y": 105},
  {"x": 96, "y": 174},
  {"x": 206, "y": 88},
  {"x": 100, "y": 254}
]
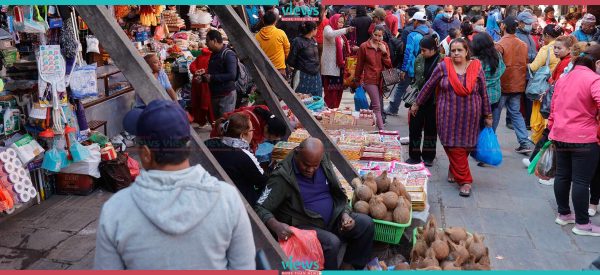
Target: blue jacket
[
  {"x": 492, "y": 27},
  {"x": 443, "y": 25},
  {"x": 582, "y": 37},
  {"x": 528, "y": 39},
  {"x": 413, "y": 49}
]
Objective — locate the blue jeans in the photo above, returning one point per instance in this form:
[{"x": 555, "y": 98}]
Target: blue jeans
[
  {"x": 513, "y": 106},
  {"x": 398, "y": 94}
]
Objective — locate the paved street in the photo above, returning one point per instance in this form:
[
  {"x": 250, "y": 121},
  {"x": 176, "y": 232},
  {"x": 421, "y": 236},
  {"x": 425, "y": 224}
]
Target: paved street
[{"x": 512, "y": 211}]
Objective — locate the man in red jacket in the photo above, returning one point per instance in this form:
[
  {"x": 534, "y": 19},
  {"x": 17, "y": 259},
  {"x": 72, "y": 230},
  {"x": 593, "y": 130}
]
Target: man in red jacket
[{"x": 391, "y": 20}]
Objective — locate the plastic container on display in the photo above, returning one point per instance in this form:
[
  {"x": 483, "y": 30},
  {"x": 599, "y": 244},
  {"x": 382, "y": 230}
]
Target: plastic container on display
[{"x": 390, "y": 232}]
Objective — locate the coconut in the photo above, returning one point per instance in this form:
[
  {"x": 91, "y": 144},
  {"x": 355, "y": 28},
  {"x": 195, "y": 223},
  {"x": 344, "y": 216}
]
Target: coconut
[
  {"x": 363, "y": 192},
  {"x": 420, "y": 248},
  {"x": 440, "y": 247},
  {"x": 389, "y": 216},
  {"x": 449, "y": 265},
  {"x": 430, "y": 229},
  {"x": 377, "y": 208},
  {"x": 402, "y": 213},
  {"x": 356, "y": 182},
  {"x": 476, "y": 247},
  {"x": 370, "y": 182},
  {"x": 456, "y": 234},
  {"x": 459, "y": 252},
  {"x": 390, "y": 199},
  {"x": 383, "y": 183},
  {"x": 429, "y": 261},
  {"x": 362, "y": 207}
]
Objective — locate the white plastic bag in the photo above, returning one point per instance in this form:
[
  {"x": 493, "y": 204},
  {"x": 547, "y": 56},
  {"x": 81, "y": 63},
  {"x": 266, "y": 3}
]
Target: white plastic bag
[
  {"x": 83, "y": 82},
  {"x": 27, "y": 148},
  {"x": 92, "y": 44},
  {"x": 88, "y": 166}
]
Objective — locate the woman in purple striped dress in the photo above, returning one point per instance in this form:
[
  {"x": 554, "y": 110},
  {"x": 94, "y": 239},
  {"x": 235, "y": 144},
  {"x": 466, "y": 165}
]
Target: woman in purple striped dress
[{"x": 461, "y": 103}]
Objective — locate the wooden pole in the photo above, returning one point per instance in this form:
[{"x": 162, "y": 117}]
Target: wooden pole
[
  {"x": 138, "y": 73},
  {"x": 247, "y": 45}
]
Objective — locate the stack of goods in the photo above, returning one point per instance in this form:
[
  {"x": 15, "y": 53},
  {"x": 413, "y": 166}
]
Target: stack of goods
[
  {"x": 299, "y": 136},
  {"x": 452, "y": 248},
  {"x": 348, "y": 190},
  {"x": 387, "y": 202},
  {"x": 415, "y": 178},
  {"x": 172, "y": 20},
  {"x": 282, "y": 149},
  {"x": 16, "y": 186},
  {"x": 351, "y": 152},
  {"x": 200, "y": 17},
  {"x": 365, "y": 118}
]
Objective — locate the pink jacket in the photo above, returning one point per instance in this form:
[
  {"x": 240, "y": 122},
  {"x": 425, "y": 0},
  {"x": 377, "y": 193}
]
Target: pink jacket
[{"x": 575, "y": 105}]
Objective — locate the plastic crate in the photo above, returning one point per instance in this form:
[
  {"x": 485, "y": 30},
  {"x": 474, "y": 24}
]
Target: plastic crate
[{"x": 390, "y": 232}]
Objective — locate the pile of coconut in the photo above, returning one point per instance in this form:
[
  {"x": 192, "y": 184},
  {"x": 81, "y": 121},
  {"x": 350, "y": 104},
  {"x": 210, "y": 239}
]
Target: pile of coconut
[
  {"x": 448, "y": 249},
  {"x": 382, "y": 198}
]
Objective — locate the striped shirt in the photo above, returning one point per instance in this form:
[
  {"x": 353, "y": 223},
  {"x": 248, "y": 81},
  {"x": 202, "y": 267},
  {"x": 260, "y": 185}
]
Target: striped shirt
[
  {"x": 458, "y": 118},
  {"x": 492, "y": 81}
]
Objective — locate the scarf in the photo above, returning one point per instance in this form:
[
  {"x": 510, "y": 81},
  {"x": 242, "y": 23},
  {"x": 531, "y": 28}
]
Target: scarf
[
  {"x": 339, "y": 41},
  {"x": 236, "y": 143},
  {"x": 472, "y": 74}
]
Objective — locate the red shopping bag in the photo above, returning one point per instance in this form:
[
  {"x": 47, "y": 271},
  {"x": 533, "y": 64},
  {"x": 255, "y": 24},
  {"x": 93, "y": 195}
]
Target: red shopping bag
[
  {"x": 304, "y": 250},
  {"x": 134, "y": 167}
]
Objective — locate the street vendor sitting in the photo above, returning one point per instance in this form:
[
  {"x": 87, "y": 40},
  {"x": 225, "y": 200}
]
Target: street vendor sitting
[{"x": 304, "y": 192}]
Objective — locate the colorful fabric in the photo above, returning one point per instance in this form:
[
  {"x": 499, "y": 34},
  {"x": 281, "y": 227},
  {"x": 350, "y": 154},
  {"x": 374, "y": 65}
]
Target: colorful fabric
[
  {"x": 472, "y": 75},
  {"x": 458, "y": 117},
  {"x": 459, "y": 164},
  {"x": 492, "y": 81},
  {"x": 310, "y": 84}
]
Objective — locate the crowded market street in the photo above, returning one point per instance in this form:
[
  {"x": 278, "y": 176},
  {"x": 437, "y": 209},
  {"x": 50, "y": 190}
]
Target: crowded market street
[{"x": 510, "y": 208}]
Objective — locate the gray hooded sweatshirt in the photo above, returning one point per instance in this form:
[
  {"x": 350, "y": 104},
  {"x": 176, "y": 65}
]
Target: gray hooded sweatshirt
[{"x": 185, "y": 219}]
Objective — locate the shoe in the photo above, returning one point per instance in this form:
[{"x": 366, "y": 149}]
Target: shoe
[
  {"x": 565, "y": 219},
  {"x": 587, "y": 230},
  {"x": 526, "y": 162},
  {"x": 428, "y": 163},
  {"x": 524, "y": 149},
  {"x": 404, "y": 140},
  {"x": 549, "y": 182},
  {"x": 510, "y": 126},
  {"x": 413, "y": 161},
  {"x": 592, "y": 209}
]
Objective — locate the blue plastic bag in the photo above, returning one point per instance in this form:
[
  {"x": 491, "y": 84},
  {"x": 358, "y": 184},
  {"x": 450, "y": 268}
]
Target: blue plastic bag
[
  {"x": 317, "y": 104},
  {"x": 488, "y": 149},
  {"x": 360, "y": 99}
]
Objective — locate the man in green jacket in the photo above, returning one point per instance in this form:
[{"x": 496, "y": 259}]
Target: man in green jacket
[{"x": 304, "y": 192}]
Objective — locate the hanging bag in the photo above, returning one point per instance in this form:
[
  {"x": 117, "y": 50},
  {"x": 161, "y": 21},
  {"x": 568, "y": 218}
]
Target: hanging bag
[
  {"x": 304, "y": 247},
  {"x": 538, "y": 82},
  {"x": 488, "y": 148},
  {"x": 536, "y": 159},
  {"x": 546, "y": 165},
  {"x": 360, "y": 99},
  {"x": 546, "y": 102},
  {"x": 83, "y": 82}
]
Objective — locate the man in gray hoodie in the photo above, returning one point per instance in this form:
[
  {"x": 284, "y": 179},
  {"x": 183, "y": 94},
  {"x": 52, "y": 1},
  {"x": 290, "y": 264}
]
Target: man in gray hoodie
[{"x": 175, "y": 216}]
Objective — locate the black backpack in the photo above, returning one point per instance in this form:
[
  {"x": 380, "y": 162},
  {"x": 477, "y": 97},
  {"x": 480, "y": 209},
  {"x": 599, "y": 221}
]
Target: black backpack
[
  {"x": 396, "y": 47},
  {"x": 243, "y": 80}
]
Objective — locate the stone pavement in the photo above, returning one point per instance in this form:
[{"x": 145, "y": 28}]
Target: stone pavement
[{"x": 507, "y": 206}]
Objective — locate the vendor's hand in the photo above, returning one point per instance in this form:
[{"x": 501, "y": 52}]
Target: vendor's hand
[
  {"x": 347, "y": 222},
  {"x": 282, "y": 230},
  {"x": 402, "y": 75},
  {"x": 414, "y": 109},
  {"x": 489, "y": 122}
]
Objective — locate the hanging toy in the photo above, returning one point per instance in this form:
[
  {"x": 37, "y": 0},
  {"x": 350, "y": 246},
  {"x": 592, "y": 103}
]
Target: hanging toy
[{"x": 51, "y": 67}]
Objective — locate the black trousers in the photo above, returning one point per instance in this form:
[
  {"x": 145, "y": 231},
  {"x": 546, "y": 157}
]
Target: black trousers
[
  {"x": 595, "y": 187},
  {"x": 575, "y": 163},
  {"x": 359, "y": 240},
  {"x": 424, "y": 121}
]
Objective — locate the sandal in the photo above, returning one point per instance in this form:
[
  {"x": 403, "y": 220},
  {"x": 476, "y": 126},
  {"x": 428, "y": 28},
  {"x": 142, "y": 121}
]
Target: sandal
[{"x": 465, "y": 190}]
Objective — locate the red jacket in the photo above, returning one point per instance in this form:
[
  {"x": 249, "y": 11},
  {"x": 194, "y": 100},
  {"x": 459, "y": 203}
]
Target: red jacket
[
  {"x": 371, "y": 62},
  {"x": 392, "y": 22}
]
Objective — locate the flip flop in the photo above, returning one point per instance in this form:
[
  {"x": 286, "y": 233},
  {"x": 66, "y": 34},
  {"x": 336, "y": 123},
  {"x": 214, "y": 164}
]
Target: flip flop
[{"x": 465, "y": 192}]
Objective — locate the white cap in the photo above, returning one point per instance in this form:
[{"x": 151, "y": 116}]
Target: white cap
[{"x": 420, "y": 16}]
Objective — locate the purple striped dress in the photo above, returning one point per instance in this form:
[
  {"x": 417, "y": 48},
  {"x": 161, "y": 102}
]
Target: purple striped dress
[{"x": 458, "y": 118}]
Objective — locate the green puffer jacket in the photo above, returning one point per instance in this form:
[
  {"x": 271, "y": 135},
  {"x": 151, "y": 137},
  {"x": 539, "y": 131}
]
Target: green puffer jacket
[
  {"x": 420, "y": 71},
  {"x": 281, "y": 198}
]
